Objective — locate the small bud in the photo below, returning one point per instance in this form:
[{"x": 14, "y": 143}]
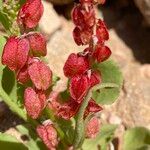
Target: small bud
[
  {"x": 41, "y": 75},
  {"x": 48, "y": 134},
  {"x": 102, "y": 53},
  {"x": 79, "y": 85},
  {"x": 37, "y": 44},
  {"x": 15, "y": 53},
  {"x": 30, "y": 13},
  {"x": 75, "y": 65},
  {"x": 92, "y": 127},
  {"x": 34, "y": 102}
]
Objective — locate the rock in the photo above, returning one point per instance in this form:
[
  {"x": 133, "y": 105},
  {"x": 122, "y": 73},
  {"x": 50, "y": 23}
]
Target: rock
[
  {"x": 133, "y": 104},
  {"x": 144, "y": 7},
  {"x": 60, "y": 2},
  {"x": 50, "y": 21},
  {"x": 120, "y": 51}
]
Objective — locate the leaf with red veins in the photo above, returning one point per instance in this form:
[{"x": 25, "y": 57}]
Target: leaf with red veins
[
  {"x": 101, "y": 53},
  {"x": 41, "y": 75},
  {"x": 79, "y": 86},
  {"x": 68, "y": 110},
  {"x": 22, "y": 75},
  {"x": 95, "y": 78},
  {"x": 49, "y": 136},
  {"x": 92, "y": 128},
  {"x": 101, "y": 31},
  {"x": 15, "y": 53},
  {"x": 37, "y": 43},
  {"x": 75, "y": 65},
  {"x": 30, "y": 14},
  {"x": 34, "y": 102}
]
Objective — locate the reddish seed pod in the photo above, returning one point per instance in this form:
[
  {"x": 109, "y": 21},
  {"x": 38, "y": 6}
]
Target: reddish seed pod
[
  {"x": 92, "y": 128},
  {"x": 92, "y": 107},
  {"x": 83, "y": 16},
  {"x": 41, "y": 75},
  {"x": 101, "y": 31},
  {"x": 30, "y": 13},
  {"x": 48, "y": 134},
  {"x": 15, "y": 53},
  {"x": 78, "y": 88},
  {"x": 77, "y": 16},
  {"x": 95, "y": 78},
  {"x": 37, "y": 44},
  {"x": 54, "y": 101},
  {"x": 75, "y": 65},
  {"x": 68, "y": 110},
  {"x": 82, "y": 37},
  {"x": 22, "y": 75},
  {"x": 102, "y": 53},
  {"x": 34, "y": 102}
]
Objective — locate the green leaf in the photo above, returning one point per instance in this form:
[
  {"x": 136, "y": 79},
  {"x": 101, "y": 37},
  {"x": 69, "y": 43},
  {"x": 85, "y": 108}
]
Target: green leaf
[
  {"x": 8, "y": 142},
  {"x": 110, "y": 74},
  {"x": 4, "y": 20},
  {"x": 102, "y": 139},
  {"x": 137, "y": 139},
  {"x": 33, "y": 142}
]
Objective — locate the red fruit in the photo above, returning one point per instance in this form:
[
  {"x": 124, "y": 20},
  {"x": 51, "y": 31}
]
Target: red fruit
[
  {"x": 34, "y": 102},
  {"x": 41, "y": 75},
  {"x": 37, "y": 44},
  {"x": 92, "y": 128},
  {"x": 101, "y": 31},
  {"x": 68, "y": 110},
  {"x": 75, "y": 65},
  {"x": 92, "y": 107},
  {"x": 79, "y": 86},
  {"x": 83, "y": 16},
  {"x": 22, "y": 75},
  {"x": 82, "y": 37},
  {"x": 78, "y": 17},
  {"x": 48, "y": 134},
  {"x": 15, "y": 53},
  {"x": 102, "y": 53},
  {"x": 95, "y": 78},
  {"x": 30, "y": 13}
]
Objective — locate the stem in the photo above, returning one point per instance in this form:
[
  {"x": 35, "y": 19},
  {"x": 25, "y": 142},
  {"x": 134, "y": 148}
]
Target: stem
[{"x": 79, "y": 129}]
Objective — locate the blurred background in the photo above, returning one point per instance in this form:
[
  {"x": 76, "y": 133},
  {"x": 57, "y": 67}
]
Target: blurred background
[{"x": 128, "y": 22}]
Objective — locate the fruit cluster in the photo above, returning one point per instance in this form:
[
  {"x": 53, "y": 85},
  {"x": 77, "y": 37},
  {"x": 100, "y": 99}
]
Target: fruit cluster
[{"x": 22, "y": 54}]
